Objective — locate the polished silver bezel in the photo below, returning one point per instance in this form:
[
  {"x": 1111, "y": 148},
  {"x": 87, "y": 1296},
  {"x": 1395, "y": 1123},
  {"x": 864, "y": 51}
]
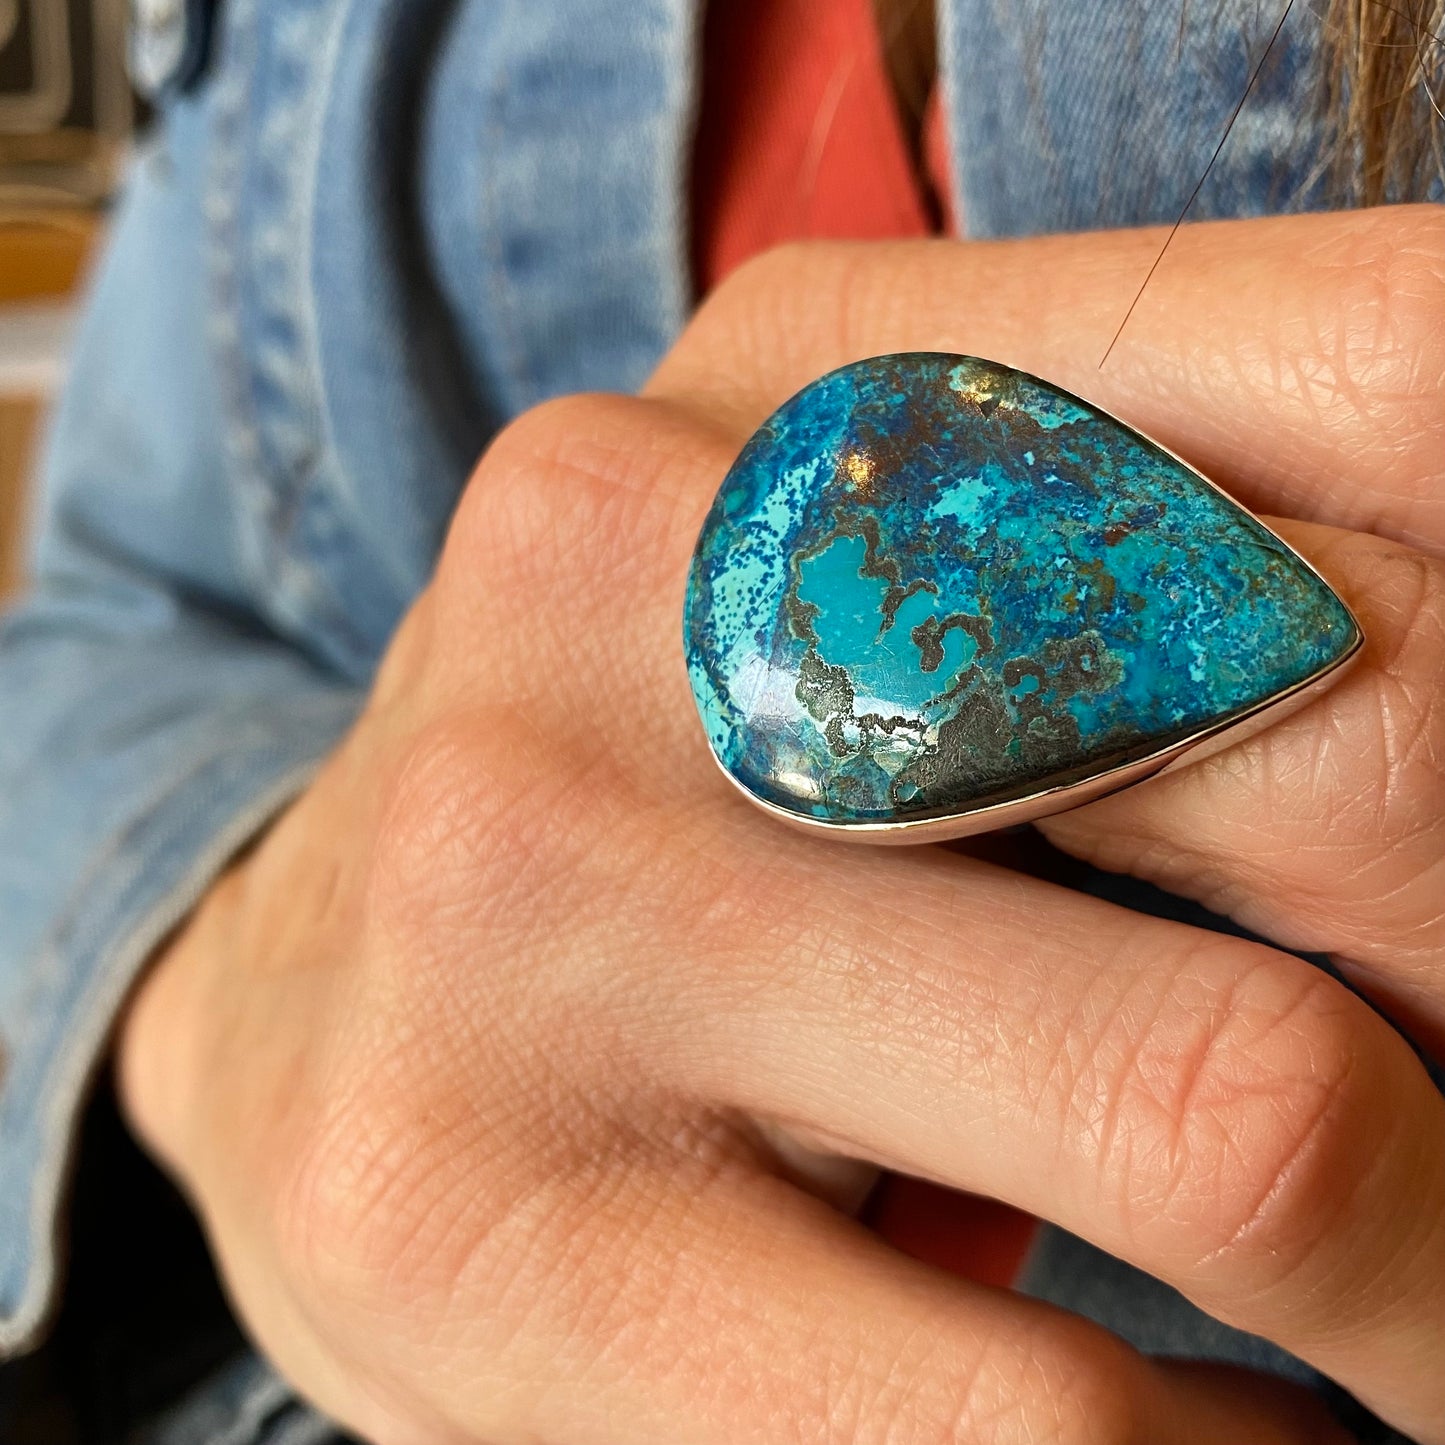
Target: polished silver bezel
[{"x": 1044, "y": 801}]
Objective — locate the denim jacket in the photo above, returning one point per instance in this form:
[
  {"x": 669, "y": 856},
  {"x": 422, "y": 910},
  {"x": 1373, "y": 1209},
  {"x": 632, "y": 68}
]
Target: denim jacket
[{"x": 362, "y": 235}]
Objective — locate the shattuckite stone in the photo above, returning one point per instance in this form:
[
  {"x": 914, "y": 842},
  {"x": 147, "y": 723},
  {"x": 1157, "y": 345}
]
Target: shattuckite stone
[{"x": 931, "y": 583}]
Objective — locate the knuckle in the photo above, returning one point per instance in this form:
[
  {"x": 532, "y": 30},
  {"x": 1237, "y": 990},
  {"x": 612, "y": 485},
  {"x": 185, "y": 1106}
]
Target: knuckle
[
  {"x": 1406, "y": 594},
  {"x": 1408, "y": 724},
  {"x": 443, "y": 807},
  {"x": 574, "y": 529},
  {"x": 313, "y": 1252},
  {"x": 432, "y": 1172},
  {"x": 479, "y": 864},
  {"x": 1389, "y": 360},
  {"x": 567, "y": 480},
  {"x": 402, "y": 1224},
  {"x": 531, "y": 441},
  {"x": 446, "y": 1160},
  {"x": 486, "y": 885},
  {"x": 765, "y": 323},
  {"x": 481, "y": 850},
  {"x": 506, "y": 524},
  {"x": 392, "y": 1196},
  {"x": 1235, "y": 1117},
  {"x": 331, "y": 1216}
]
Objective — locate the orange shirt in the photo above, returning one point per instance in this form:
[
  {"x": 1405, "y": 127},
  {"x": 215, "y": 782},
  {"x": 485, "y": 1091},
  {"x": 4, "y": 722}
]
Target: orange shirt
[{"x": 799, "y": 136}]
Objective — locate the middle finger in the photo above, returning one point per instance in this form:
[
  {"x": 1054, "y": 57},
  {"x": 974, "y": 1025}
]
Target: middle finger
[
  {"x": 1222, "y": 1115},
  {"x": 1299, "y": 361}
]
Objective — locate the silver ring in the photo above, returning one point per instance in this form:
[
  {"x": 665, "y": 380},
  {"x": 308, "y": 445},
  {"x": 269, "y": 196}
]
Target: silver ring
[{"x": 936, "y": 596}]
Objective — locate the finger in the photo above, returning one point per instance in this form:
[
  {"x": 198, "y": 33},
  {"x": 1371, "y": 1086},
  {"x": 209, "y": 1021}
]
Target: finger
[
  {"x": 748, "y": 1312},
  {"x": 1224, "y": 1116},
  {"x": 1326, "y": 832},
  {"x": 1298, "y": 361}
]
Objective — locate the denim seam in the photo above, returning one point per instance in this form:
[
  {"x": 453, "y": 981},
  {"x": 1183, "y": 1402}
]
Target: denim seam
[
  {"x": 277, "y": 479},
  {"x": 521, "y": 382},
  {"x": 222, "y": 209}
]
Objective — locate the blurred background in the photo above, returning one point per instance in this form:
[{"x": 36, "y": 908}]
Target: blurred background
[{"x": 66, "y": 118}]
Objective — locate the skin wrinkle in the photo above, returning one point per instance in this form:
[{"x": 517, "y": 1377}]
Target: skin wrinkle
[
  {"x": 879, "y": 1391},
  {"x": 1095, "y": 1108},
  {"x": 1064, "y": 1380},
  {"x": 900, "y": 1403},
  {"x": 994, "y": 1394},
  {"x": 548, "y": 1303},
  {"x": 1155, "y": 853},
  {"x": 426, "y": 1205},
  {"x": 1191, "y": 1068},
  {"x": 1041, "y": 1070},
  {"x": 1010, "y": 1401},
  {"x": 1001, "y": 1397},
  {"x": 618, "y": 1278},
  {"x": 1344, "y": 343},
  {"x": 1216, "y": 1067},
  {"x": 1173, "y": 1156},
  {"x": 449, "y": 819},
  {"x": 975, "y": 1013},
  {"x": 1360, "y": 375},
  {"x": 1123, "y": 1127},
  {"x": 452, "y": 1009},
  {"x": 385, "y": 1386},
  {"x": 626, "y": 1284},
  {"x": 1006, "y": 1016}
]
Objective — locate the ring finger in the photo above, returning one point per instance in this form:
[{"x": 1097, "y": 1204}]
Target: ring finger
[{"x": 1326, "y": 832}]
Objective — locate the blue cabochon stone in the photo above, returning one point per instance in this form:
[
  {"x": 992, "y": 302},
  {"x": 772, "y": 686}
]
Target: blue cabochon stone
[{"x": 931, "y": 582}]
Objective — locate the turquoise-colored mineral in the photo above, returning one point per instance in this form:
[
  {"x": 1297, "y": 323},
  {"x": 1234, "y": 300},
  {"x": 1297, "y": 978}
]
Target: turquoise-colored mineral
[{"x": 931, "y": 583}]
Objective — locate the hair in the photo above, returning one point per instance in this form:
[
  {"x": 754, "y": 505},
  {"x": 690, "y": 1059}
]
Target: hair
[
  {"x": 1382, "y": 92},
  {"x": 1380, "y": 89}
]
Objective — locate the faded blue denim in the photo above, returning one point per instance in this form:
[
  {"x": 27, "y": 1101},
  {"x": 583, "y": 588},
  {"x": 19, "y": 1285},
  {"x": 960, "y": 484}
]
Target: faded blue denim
[{"x": 363, "y": 235}]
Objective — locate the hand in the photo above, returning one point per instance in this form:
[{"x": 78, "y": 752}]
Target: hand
[{"x": 524, "y": 1076}]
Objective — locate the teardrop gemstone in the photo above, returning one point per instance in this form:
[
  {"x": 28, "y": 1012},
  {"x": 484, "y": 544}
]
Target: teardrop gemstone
[{"x": 931, "y": 583}]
